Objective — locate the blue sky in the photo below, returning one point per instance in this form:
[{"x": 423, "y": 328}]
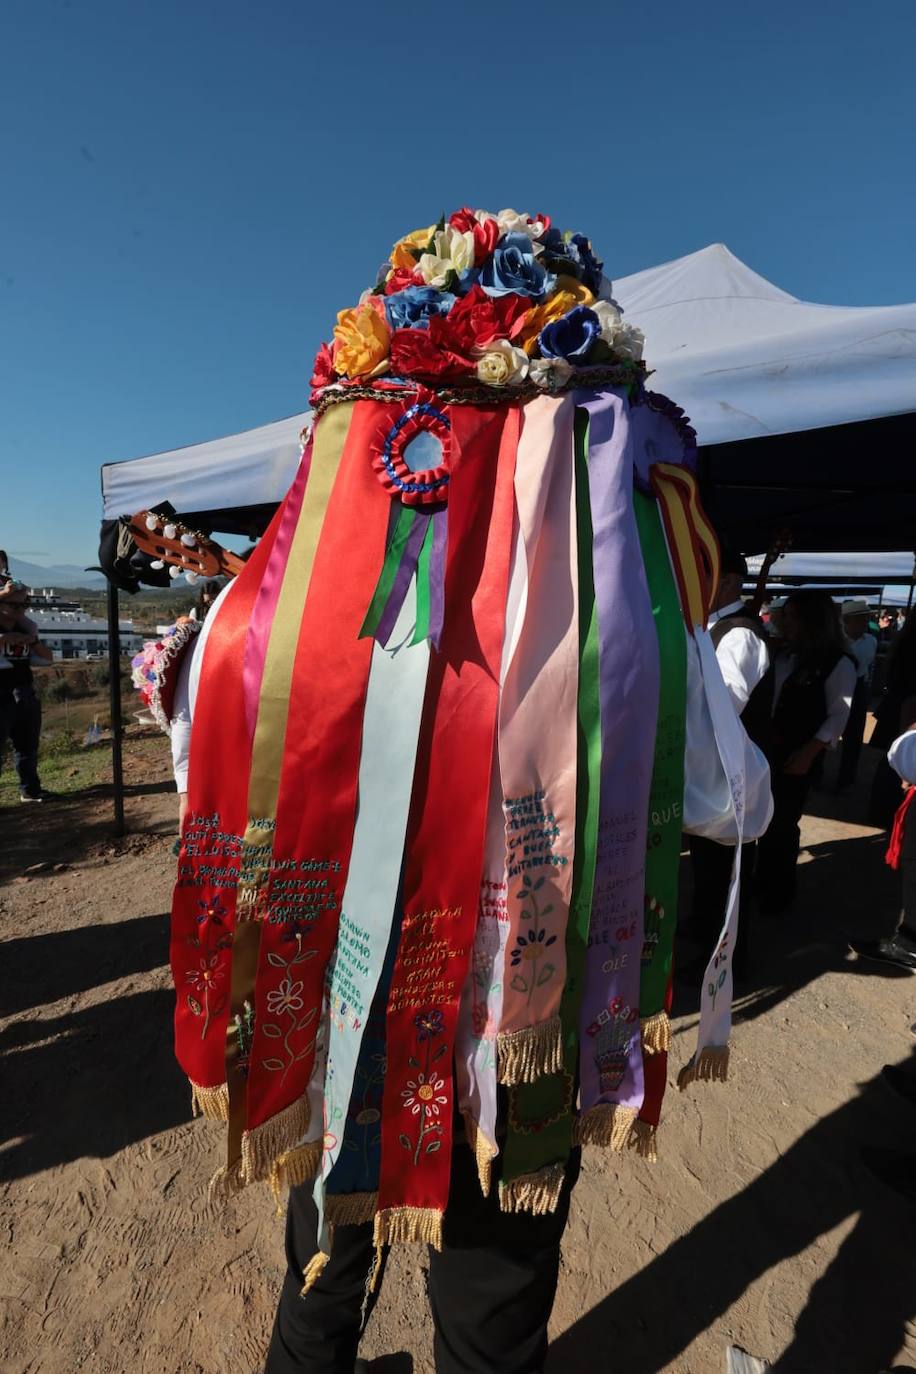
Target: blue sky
[{"x": 192, "y": 188}]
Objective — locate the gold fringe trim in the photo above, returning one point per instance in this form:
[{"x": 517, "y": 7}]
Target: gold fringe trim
[
  {"x": 538, "y": 1193},
  {"x": 295, "y": 1167},
  {"x": 226, "y": 1183},
  {"x": 656, "y": 1033},
  {"x": 212, "y": 1103},
  {"x": 710, "y": 1065},
  {"x": 483, "y": 1150},
  {"x": 350, "y": 1209},
  {"x": 609, "y": 1126},
  {"x": 396, "y": 1225},
  {"x": 523, "y": 1056},
  {"x": 264, "y": 1145},
  {"x": 643, "y": 1140},
  {"x": 313, "y": 1271}
]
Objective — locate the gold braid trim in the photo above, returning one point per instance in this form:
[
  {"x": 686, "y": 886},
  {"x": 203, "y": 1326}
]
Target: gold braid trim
[
  {"x": 656, "y": 1033},
  {"x": 226, "y": 1183},
  {"x": 295, "y": 1167},
  {"x": 643, "y": 1140},
  {"x": 523, "y": 1056},
  {"x": 484, "y": 1152},
  {"x": 609, "y": 1126},
  {"x": 710, "y": 1065},
  {"x": 264, "y": 1145},
  {"x": 538, "y": 1193},
  {"x": 212, "y": 1103},
  {"x": 350, "y": 1209},
  {"x": 396, "y": 1225},
  {"x": 313, "y": 1271}
]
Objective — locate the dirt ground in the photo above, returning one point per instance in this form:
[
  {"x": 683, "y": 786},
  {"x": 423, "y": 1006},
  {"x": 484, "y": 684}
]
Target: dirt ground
[{"x": 758, "y": 1226}]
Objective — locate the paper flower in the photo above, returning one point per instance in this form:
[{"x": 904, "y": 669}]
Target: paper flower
[
  {"x": 408, "y": 249},
  {"x": 513, "y": 268},
  {"x": 485, "y": 228},
  {"x": 451, "y": 252},
  {"x": 549, "y": 374},
  {"x": 572, "y": 336},
  {"x": 568, "y": 295},
  {"x": 361, "y": 343},
  {"x": 413, "y": 308}
]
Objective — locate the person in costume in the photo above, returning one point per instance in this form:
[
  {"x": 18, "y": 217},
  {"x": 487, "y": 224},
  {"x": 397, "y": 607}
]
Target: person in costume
[
  {"x": 863, "y": 646},
  {"x": 814, "y": 682},
  {"x": 743, "y": 655},
  {"x": 427, "y": 886}
]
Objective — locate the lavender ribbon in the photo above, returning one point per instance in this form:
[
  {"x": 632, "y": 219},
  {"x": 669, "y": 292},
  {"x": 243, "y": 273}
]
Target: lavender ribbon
[
  {"x": 405, "y": 572},
  {"x": 611, "y": 1071}
]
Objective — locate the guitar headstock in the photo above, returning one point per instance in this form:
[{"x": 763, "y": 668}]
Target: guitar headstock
[
  {"x": 170, "y": 543},
  {"x": 780, "y": 545}
]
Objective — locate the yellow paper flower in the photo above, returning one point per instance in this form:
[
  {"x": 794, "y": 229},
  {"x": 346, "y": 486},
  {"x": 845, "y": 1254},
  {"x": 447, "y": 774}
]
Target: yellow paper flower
[
  {"x": 569, "y": 293},
  {"x": 362, "y": 342},
  {"x": 400, "y": 254}
]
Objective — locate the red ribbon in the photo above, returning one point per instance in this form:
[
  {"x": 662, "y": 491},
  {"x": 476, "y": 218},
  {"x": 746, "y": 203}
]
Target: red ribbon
[
  {"x": 447, "y": 827},
  {"x": 895, "y": 848}
]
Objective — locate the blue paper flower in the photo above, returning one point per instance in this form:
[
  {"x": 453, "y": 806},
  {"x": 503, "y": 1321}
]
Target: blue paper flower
[
  {"x": 413, "y": 307},
  {"x": 572, "y": 336},
  {"x": 513, "y": 268},
  {"x": 574, "y": 258},
  {"x": 592, "y": 267}
]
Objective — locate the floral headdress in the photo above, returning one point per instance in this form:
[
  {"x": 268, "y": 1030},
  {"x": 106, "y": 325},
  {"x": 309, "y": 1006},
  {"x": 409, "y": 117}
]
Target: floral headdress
[{"x": 497, "y": 301}]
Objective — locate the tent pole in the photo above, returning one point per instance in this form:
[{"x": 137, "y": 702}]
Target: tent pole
[
  {"x": 909, "y": 604},
  {"x": 114, "y": 690}
]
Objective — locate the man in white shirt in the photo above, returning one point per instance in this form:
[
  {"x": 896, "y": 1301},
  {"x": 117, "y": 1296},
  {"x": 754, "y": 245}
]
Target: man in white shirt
[
  {"x": 743, "y": 656},
  {"x": 863, "y": 647}
]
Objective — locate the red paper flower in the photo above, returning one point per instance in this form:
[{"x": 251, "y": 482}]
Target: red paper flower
[
  {"x": 323, "y": 372},
  {"x": 477, "y": 319},
  {"x": 415, "y": 353},
  {"x": 400, "y": 279},
  {"x": 486, "y": 234}
]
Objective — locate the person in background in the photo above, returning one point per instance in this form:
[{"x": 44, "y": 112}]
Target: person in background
[
  {"x": 895, "y": 714},
  {"x": 744, "y": 658},
  {"x": 4, "y": 565},
  {"x": 20, "y": 709},
  {"x": 813, "y": 685},
  {"x": 899, "y": 948},
  {"x": 863, "y": 647}
]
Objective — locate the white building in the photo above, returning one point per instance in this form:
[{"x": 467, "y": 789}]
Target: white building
[{"x": 70, "y": 632}]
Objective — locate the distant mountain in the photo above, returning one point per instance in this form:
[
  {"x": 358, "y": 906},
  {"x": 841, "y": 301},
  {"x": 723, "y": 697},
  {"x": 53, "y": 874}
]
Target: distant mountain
[{"x": 57, "y": 575}]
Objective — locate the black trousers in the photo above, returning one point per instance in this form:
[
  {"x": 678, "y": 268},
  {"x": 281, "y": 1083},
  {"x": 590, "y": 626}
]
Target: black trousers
[
  {"x": 853, "y": 733},
  {"x": 777, "y": 851},
  {"x": 712, "y": 875},
  {"x": 491, "y": 1287},
  {"x": 20, "y": 723}
]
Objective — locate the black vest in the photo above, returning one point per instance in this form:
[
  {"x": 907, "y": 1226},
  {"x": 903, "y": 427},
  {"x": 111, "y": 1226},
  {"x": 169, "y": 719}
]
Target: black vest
[
  {"x": 802, "y": 704},
  {"x": 758, "y": 709}
]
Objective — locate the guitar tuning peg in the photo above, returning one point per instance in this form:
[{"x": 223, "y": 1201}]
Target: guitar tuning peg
[
  {"x": 151, "y": 522},
  {"x": 170, "y": 531},
  {"x": 188, "y": 540},
  {"x": 158, "y": 564},
  {"x": 192, "y": 577},
  {"x": 174, "y": 572}
]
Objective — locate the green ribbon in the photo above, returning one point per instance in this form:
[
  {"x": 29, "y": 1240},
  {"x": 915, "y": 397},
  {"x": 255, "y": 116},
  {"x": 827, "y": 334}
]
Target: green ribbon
[
  {"x": 666, "y": 795},
  {"x": 541, "y": 1114},
  {"x": 394, "y": 553}
]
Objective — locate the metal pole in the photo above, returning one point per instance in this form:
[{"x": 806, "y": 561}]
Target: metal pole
[
  {"x": 909, "y": 604},
  {"x": 114, "y": 689}
]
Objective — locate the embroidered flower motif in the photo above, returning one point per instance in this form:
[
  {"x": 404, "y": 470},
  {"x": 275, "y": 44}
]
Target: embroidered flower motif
[
  {"x": 424, "y": 1094},
  {"x": 429, "y": 1023},
  {"x": 207, "y": 977},
  {"x": 367, "y": 1117},
  {"x": 212, "y": 910},
  {"x": 532, "y": 946},
  {"x": 285, "y": 998}
]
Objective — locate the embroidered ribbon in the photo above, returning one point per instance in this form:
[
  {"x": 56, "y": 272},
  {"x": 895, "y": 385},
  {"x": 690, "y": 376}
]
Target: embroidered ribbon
[
  {"x": 316, "y": 801},
  {"x": 611, "y": 1078},
  {"x": 203, "y": 908},
  {"x": 540, "y": 1126},
  {"x": 394, "y": 704},
  {"x": 447, "y": 829},
  {"x": 665, "y": 819},
  {"x": 537, "y": 748}
]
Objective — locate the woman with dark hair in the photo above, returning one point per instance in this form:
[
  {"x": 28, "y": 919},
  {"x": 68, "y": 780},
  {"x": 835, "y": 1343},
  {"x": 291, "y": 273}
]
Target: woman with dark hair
[{"x": 814, "y": 681}]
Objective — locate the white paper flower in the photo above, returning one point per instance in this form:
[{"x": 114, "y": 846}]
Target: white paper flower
[
  {"x": 629, "y": 342},
  {"x": 549, "y": 373},
  {"x": 610, "y": 318},
  {"x": 501, "y": 364},
  {"x": 453, "y": 251}
]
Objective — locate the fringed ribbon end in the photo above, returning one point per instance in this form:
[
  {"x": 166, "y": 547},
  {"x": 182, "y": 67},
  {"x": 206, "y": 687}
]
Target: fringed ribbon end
[
  {"x": 397, "y": 1225},
  {"x": 226, "y": 1183},
  {"x": 350, "y": 1209},
  {"x": 606, "y": 1125},
  {"x": 643, "y": 1139},
  {"x": 263, "y": 1146},
  {"x": 295, "y": 1167},
  {"x": 211, "y": 1103},
  {"x": 656, "y": 1033},
  {"x": 524, "y": 1056},
  {"x": 710, "y": 1065},
  {"x": 536, "y": 1193},
  {"x": 313, "y": 1271},
  {"x": 484, "y": 1152}
]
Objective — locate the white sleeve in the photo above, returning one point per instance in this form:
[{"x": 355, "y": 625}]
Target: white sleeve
[
  {"x": 902, "y": 756},
  {"x": 180, "y": 732},
  {"x": 838, "y": 690},
  {"x": 744, "y": 659}
]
